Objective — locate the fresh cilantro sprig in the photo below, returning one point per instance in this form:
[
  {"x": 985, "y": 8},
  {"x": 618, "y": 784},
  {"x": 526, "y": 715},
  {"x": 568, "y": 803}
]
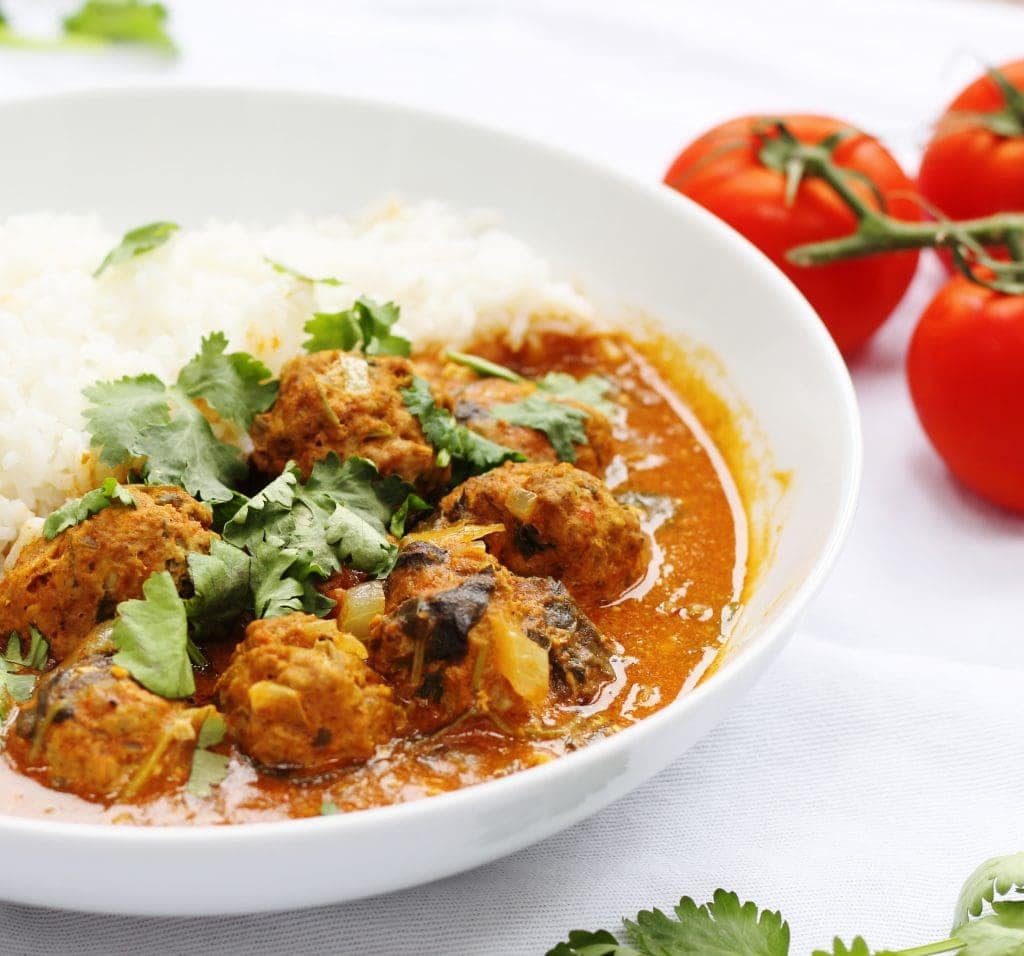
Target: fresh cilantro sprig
[
  {"x": 208, "y": 767},
  {"x": 468, "y": 452},
  {"x": 101, "y": 23},
  {"x": 283, "y": 269},
  {"x": 77, "y": 510},
  {"x": 366, "y": 326},
  {"x": 137, "y": 242},
  {"x": 16, "y": 684},
  {"x": 139, "y": 417},
  {"x": 563, "y": 424},
  {"x": 220, "y": 588},
  {"x": 236, "y": 385},
  {"x": 726, "y": 927},
  {"x": 298, "y": 533}
]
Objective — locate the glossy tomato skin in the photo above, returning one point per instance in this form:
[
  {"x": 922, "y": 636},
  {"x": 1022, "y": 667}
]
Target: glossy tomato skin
[
  {"x": 966, "y": 373},
  {"x": 969, "y": 170},
  {"x": 721, "y": 171}
]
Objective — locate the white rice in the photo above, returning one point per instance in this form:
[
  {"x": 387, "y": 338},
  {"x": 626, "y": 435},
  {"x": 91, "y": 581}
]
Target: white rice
[{"x": 62, "y": 330}]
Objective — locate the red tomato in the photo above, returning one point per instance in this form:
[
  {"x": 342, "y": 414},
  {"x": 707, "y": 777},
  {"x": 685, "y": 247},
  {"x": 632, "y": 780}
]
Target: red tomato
[
  {"x": 966, "y": 372},
  {"x": 968, "y": 168},
  {"x": 722, "y": 171}
]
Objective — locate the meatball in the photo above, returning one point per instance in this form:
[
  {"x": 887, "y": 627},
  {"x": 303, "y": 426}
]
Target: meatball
[
  {"x": 298, "y": 694},
  {"x": 462, "y": 634},
  {"x": 65, "y": 586},
  {"x": 94, "y": 731},
  {"x": 557, "y": 522},
  {"x": 336, "y": 401},
  {"x": 471, "y": 403}
]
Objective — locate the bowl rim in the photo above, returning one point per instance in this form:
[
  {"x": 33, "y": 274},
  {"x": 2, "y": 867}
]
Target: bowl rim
[{"x": 762, "y": 643}]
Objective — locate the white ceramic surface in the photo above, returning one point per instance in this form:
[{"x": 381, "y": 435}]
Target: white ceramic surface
[{"x": 133, "y": 156}]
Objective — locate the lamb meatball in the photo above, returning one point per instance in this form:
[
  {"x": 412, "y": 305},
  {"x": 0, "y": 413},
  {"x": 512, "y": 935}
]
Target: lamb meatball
[
  {"x": 94, "y": 731},
  {"x": 557, "y": 522},
  {"x": 336, "y": 401},
  {"x": 471, "y": 403},
  {"x": 298, "y": 694},
  {"x": 461, "y": 633},
  {"x": 65, "y": 586}
]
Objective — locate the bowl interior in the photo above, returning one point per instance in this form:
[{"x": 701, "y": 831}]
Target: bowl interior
[{"x": 134, "y": 156}]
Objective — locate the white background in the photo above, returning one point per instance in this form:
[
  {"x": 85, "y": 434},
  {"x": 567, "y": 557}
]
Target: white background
[{"x": 881, "y": 758}]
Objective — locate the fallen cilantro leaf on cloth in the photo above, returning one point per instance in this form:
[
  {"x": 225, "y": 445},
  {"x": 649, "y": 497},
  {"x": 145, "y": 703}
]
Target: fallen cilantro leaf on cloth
[
  {"x": 137, "y": 242},
  {"x": 208, "y": 768},
  {"x": 237, "y": 386},
  {"x": 455, "y": 443},
  {"x": 151, "y": 637},
  {"x": 301, "y": 276},
  {"x": 366, "y": 326},
  {"x": 122, "y": 21},
  {"x": 78, "y": 510},
  {"x": 726, "y": 927},
  {"x": 563, "y": 424}
]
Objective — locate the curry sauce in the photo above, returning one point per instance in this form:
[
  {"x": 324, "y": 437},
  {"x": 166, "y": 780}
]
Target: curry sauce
[{"x": 665, "y": 628}]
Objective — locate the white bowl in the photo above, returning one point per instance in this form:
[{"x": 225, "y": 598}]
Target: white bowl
[{"x": 138, "y": 155}]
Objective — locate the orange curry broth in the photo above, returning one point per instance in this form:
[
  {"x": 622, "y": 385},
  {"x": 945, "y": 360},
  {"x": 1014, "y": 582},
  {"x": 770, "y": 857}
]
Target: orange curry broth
[{"x": 669, "y": 625}]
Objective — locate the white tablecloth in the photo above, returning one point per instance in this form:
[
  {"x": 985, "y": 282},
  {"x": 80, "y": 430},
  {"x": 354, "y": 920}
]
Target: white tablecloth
[{"x": 880, "y": 759}]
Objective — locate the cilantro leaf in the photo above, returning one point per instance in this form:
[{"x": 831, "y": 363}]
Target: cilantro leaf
[
  {"x": 473, "y": 453},
  {"x": 187, "y": 453},
  {"x": 367, "y": 325},
  {"x": 15, "y": 685},
  {"x": 121, "y": 412},
  {"x": 584, "y": 943},
  {"x": 341, "y": 514},
  {"x": 78, "y": 510},
  {"x": 563, "y": 424},
  {"x": 857, "y": 948},
  {"x": 484, "y": 367},
  {"x": 122, "y": 21},
  {"x": 236, "y": 386},
  {"x": 1001, "y": 934},
  {"x": 998, "y": 876},
  {"x": 723, "y": 927},
  {"x": 590, "y": 390},
  {"x": 38, "y": 651},
  {"x": 329, "y": 808},
  {"x": 208, "y": 768},
  {"x": 220, "y": 582},
  {"x": 151, "y": 637},
  {"x": 132, "y": 418},
  {"x": 274, "y": 592},
  {"x": 136, "y": 241},
  {"x": 301, "y": 276}
]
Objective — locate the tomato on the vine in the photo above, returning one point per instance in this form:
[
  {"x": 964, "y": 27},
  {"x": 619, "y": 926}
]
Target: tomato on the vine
[
  {"x": 974, "y": 164},
  {"x": 966, "y": 373},
  {"x": 725, "y": 171}
]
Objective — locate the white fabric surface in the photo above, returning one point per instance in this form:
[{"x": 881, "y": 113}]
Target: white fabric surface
[{"x": 880, "y": 759}]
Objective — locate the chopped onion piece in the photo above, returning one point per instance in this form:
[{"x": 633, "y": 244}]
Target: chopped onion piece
[
  {"x": 521, "y": 503},
  {"x": 362, "y": 604}
]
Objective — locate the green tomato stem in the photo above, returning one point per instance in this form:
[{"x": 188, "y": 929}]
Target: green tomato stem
[{"x": 878, "y": 232}]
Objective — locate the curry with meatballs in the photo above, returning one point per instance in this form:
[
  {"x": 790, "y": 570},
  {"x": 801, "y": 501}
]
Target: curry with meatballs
[{"x": 381, "y": 575}]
